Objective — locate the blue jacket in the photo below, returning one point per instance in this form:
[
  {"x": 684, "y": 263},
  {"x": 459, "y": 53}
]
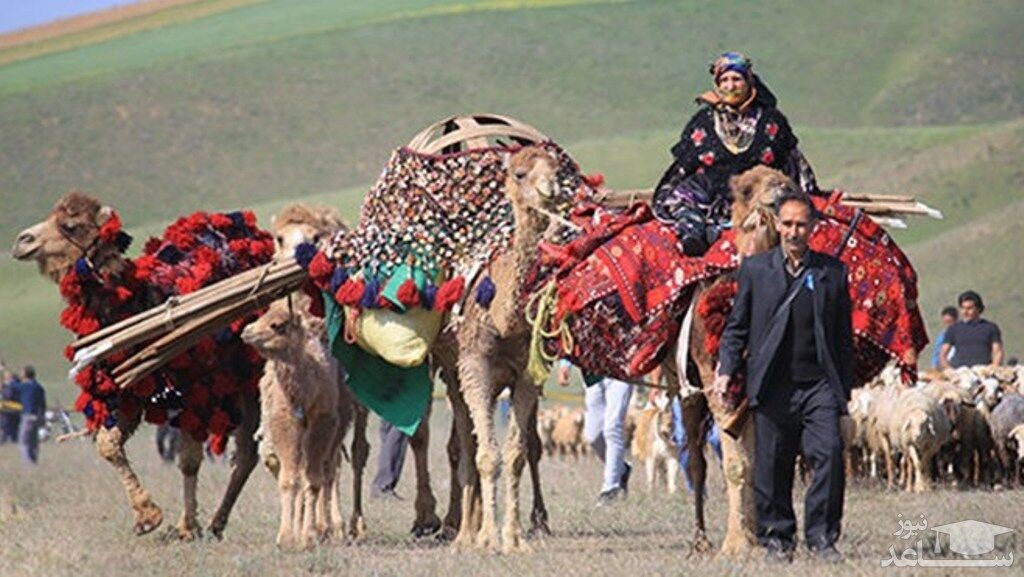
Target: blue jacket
[{"x": 33, "y": 397}]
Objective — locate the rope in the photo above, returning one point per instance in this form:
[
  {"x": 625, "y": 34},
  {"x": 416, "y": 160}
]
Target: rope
[{"x": 542, "y": 305}]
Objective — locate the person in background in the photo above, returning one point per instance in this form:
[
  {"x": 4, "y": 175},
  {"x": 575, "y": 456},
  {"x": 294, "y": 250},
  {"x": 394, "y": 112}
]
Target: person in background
[
  {"x": 33, "y": 411},
  {"x": 975, "y": 340},
  {"x": 10, "y": 412},
  {"x": 393, "y": 443},
  {"x": 606, "y": 400},
  {"x": 949, "y": 316}
]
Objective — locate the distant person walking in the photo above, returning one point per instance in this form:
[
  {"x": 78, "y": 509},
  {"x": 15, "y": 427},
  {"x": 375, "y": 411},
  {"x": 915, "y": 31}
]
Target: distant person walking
[
  {"x": 976, "y": 341},
  {"x": 606, "y": 400},
  {"x": 33, "y": 412},
  {"x": 949, "y": 317},
  {"x": 10, "y": 415},
  {"x": 393, "y": 443}
]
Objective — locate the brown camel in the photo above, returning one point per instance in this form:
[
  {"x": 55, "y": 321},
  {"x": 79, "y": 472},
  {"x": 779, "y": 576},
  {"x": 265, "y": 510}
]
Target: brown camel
[
  {"x": 69, "y": 233},
  {"x": 487, "y": 353},
  {"x": 754, "y": 223},
  {"x": 297, "y": 224},
  {"x": 306, "y": 418}
]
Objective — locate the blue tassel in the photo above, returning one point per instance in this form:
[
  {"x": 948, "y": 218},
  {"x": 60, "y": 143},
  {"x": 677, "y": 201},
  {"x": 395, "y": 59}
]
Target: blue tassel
[
  {"x": 369, "y": 300},
  {"x": 123, "y": 241},
  {"x": 170, "y": 254},
  {"x": 304, "y": 254},
  {"x": 238, "y": 220},
  {"x": 338, "y": 278},
  {"x": 223, "y": 336},
  {"x": 109, "y": 422},
  {"x": 82, "y": 267},
  {"x": 88, "y": 410},
  {"x": 485, "y": 292},
  {"x": 427, "y": 296}
]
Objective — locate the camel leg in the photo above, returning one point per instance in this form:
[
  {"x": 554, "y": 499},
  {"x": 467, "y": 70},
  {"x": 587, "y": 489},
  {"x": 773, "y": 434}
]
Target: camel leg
[
  {"x": 524, "y": 403},
  {"x": 427, "y": 522},
  {"x": 316, "y": 455},
  {"x": 110, "y": 445},
  {"x": 450, "y": 525},
  {"x": 474, "y": 374},
  {"x": 534, "y": 452},
  {"x": 467, "y": 484},
  {"x": 243, "y": 461},
  {"x": 738, "y": 463},
  {"x": 695, "y": 418},
  {"x": 190, "y": 458},
  {"x": 360, "y": 452}
]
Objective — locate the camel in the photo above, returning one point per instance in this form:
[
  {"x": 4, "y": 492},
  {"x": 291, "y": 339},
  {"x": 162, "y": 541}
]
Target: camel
[
  {"x": 753, "y": 194},
  {"x": 306, "y": 417},
  {"x": 487, "y": 353},
  {"x": 69, "y": 233},
  {"x": 297, "y": 224}
]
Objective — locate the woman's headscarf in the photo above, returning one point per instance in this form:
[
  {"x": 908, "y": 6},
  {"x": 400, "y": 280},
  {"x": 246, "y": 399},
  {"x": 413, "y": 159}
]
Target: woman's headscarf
[{"x": 756, "y": 90}]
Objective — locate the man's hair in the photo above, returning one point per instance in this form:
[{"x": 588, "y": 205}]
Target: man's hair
[
  {"x": 971, "y": 296},
  {"x": 30, "y": 372},
  {"x": 788, "y": 194},
  {"x": 950, "y": 311}
]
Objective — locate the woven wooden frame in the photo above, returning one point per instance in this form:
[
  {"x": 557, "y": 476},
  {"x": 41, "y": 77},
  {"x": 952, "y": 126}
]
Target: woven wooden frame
[{"x": 460, "y": 133}]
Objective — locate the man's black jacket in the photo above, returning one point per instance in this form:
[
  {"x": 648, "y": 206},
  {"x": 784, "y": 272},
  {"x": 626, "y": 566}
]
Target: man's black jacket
[{"x": 762, "y": 288}]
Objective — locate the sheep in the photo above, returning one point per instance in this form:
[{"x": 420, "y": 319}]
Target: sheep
[
  {"x": 567, "y": 433},
  {"x": 1007, "y": 422},
  {"x": 918, "y": 428}
]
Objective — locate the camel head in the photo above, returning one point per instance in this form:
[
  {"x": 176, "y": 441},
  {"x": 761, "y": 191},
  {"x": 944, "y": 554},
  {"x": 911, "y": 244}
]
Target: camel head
[
  {"x": 753, "y": 208},
  {"x": 300, "y": 223},
  {"x": 532, "y": 183},
  {"x": 71, "y": 230},
  {"x": 276, "y": 332}
]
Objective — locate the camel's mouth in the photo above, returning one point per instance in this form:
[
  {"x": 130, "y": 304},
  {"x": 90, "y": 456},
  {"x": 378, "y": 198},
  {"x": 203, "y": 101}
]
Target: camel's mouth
[{"x": 24, "y": 253}]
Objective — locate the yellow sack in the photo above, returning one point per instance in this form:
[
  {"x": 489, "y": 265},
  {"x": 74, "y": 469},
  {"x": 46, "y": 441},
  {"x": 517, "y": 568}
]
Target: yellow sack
[{"x": 402, "y": 339}]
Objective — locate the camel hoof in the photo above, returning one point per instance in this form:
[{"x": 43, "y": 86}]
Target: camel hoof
[
  {"x": 487, "y": 540},
  {"x": 357, "y": 528},
  {"x": 516, "y": 546},
  {"x": 447, "y": 534},
  {"x": 539, "y": 525},
  {"x": 700, "y": 545},
  {"x": 734, "y": 548},
  {"x": 426, "y": 528},
  {"x": 189, "y": 534},
  {"x": 149, "y": 522},
  {"x": 214, "y": 533}
]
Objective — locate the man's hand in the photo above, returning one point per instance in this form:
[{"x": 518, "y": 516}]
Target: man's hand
[{"x": 719, "y": 386}]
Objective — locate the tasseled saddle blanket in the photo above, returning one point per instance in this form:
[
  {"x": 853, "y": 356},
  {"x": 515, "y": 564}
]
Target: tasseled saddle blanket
[{"x": 612, "y": 300}]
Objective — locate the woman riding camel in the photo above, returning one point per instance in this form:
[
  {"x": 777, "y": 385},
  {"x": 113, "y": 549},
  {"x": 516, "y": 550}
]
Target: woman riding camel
[{"x": 737, "y": 128}]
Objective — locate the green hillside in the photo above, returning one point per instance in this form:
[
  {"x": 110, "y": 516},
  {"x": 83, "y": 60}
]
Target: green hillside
[{"x": 277, "y": 100}]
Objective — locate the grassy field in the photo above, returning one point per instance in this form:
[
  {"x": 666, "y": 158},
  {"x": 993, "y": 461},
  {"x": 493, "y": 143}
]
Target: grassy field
[{"x": 56, "y": 523}]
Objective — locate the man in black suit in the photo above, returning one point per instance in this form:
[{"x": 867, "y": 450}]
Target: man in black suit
[{"x": 792, "y": 319}]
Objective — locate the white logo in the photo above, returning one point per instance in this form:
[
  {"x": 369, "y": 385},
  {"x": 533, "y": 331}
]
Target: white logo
[{"x": 967, "y": 538}]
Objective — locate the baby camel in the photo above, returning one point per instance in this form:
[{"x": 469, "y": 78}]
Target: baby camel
[{"x": 306, "y": 421}]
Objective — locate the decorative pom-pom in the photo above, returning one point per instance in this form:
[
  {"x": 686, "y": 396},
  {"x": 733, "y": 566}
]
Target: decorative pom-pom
[
  {"x": 594, "y": 180},
  {"x": 485, "y": 292},
  {"x": 109, "y": 422},
  {"x": 350, "y": 292},
  {"x": 82, "y": 267},
  {"x": 123, "y": 241},
  {"x": 370, "y": 292},
  {"x": 429, "y": 296},
  {"x": 304, "y": 254},
  {"x": 449, "y": 293},
  {"x": 338, "y": 277},
  {"x": 170, "y": 254},
  {"x": 408, "y": 294}
]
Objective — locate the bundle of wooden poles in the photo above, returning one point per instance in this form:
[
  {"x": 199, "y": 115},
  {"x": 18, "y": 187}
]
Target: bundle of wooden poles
[{"x": 181, "y": 322}]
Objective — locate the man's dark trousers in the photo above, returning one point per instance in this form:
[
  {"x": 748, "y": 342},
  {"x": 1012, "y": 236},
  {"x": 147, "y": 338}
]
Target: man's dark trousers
[
  {"x": 393, "y": 443},
  {"x": 804, "y": 417}
]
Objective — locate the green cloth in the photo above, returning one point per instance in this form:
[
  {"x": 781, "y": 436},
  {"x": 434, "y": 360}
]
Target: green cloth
[{"x": 399, "y": 396}]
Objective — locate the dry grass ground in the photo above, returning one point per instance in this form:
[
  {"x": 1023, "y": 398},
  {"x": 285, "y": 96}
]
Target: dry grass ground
[{"x": 68, "y": 517}]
